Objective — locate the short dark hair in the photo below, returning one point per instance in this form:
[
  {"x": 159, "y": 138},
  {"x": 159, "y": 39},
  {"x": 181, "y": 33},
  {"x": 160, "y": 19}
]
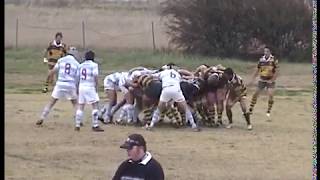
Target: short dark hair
[
  {"x": 228, "y": 71},
  {"x": 89, "y": 55},
  {"x": 58, "y": 34}
]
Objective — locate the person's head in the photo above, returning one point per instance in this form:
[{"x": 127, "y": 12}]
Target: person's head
[
  {"x": 58, "y": 37},
  {"x": 267, "y": 51},
  {"x": 136, "y": 146},
  {"x": 228, "y": 73},
  {"x": 213, "y": 80},
  {"x": 169, "y": 66},
  {"x": 89, "y": 55},
  {"x": 74, "y": 52}
]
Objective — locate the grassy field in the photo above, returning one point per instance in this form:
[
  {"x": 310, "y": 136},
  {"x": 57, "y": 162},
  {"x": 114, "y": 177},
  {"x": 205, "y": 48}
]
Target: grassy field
[{"x": 276, "y": 150}]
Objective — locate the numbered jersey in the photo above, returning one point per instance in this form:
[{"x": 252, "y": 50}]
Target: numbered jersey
[
  {"x": 67, "y": 71},
  {"x": 169, "y": 77},
  {"x": 87, "y": 72}
]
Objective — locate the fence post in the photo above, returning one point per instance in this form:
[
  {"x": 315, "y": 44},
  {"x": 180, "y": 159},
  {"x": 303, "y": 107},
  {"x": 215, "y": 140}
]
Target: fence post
[
  {"x": 153, "y": 40},
  {"x": 17, "y": 28},
  {"x": 83, "y": 36}
]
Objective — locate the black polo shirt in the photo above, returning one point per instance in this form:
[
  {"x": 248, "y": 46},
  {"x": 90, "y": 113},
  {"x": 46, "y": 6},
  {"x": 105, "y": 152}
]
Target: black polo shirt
[{"x": 146, "y": 169}]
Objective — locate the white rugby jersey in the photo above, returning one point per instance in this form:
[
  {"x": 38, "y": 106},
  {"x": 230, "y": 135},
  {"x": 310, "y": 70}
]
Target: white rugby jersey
[
  {"x": 87, "y": 72},
  {"x": 169, "y": 77},
  {"x": 116, "y": 78},
  {"x": 67, "y": 67}
]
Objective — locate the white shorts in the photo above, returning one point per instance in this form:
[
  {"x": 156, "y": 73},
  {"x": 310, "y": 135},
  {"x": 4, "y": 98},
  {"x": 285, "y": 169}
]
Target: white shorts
[
  {"x": 88, "y": 96},
  {"x": 109, "y": 85},
  {"x": 64, "y": 93},
  {"x": 171, "y": 93}
]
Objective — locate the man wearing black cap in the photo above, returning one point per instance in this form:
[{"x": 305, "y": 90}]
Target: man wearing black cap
[{"x": 140, "y": 165}]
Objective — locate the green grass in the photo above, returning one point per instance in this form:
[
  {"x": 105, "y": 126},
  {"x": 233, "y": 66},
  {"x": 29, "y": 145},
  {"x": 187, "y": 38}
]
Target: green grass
[{"x": 27, "y": 64}]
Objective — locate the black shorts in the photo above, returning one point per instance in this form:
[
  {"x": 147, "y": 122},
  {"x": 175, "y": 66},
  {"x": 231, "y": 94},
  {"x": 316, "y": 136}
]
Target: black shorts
[
  {"x": 262, "y": 85},
  {"x": 153, "y": 90},
  {"x": 189, "y": 90}
]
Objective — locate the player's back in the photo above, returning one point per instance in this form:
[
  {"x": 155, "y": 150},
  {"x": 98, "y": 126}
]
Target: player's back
[
  {"x": 170, "y": 77},
  {"x": 67, "y": 71},
  {"x": 87, "y": 72}
]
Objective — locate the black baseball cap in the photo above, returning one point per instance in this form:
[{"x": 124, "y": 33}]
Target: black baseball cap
[{"x": 133, "y": 140}]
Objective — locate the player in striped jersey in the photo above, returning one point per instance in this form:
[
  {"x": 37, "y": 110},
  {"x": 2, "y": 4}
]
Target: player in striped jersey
[
  {"x": 216, "y": 91},
  {"x": 66, "y": 85},
  {"x": 55, "y": 50},
  {"x": 237, "y": 92},
  {"x": 129, "y": 112},
  {"x": 88, "y": 72},
  {"x": 267, "y": 69}
]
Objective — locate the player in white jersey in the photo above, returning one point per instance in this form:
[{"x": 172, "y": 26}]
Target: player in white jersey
[
  {"x": 112, "y": 83},
  {"x": 129, "y": 113},
  {"x": 88, "y": 90},
  {"x": 66, "y": 85},
  {"x": 171, "y": 92}
]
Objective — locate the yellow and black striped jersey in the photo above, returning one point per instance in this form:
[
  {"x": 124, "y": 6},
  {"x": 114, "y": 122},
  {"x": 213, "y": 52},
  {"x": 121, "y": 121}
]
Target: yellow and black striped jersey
[
  {"x": 267, "y": 67},
  {"x": 237, "y": 86},
  {"x": 145, "y": 80},
  {"x": 54, "y": 51}
]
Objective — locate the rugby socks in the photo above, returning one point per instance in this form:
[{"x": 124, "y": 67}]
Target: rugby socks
[
  {"x": 270, "y": 103},
  {"x": 130, "y": 112},
  {"x": 253, "y": 102},
  {"x": 169, "y": 114},
  {"x": 211, "y": 113},
  {"x": 189, "y": 118},
  {"x": 147, "y": 115},
  {"x": 95, "y": 118},
  {"x": 177, "y": 116},
  {"x": 155, "y": 117},
  {"x": 123, "y": 113},
  {"x": 45, "y": 112},
  {"x": 229, "y": 115},
  {"x": 79, "y": 115}
]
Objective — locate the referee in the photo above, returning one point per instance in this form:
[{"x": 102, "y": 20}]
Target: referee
[{"x": 141, "y": 164}]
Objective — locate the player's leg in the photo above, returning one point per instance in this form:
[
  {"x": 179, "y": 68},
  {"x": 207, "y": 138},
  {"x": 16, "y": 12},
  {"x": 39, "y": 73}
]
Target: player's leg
[
  {"x": 231, "y": 100},
  {"x": 221, "y": 94},
  {"x": 270, "y": 91},
  {"x": 261, "y": 86},
  {"x": 46, "y": 111},
  {"x": 156, "y": 114},
  {"x": 246, "y": 115},
  {"x": 112, "y": 101},
  {"x": 183, "y": 107},
  {"x": 79, "y": 114},
  {"x": 94, "y": 114},
  {"x": 210, "y": 108}
]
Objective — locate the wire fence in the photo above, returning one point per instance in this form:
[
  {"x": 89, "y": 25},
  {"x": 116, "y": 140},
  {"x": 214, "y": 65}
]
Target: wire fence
[{"x": 85, "y": 35}]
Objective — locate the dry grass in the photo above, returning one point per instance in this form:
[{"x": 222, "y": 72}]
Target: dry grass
[
  {"x": 280, "y": 149},
  {"x": 104, "y": 28}
]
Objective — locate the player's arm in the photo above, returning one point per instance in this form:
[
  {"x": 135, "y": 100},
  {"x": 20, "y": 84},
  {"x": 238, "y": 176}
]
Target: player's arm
[
  {"x": 96, "y": 74},
  {"x": 55, "y": 69},
  {"x": 276, "y": 69}
]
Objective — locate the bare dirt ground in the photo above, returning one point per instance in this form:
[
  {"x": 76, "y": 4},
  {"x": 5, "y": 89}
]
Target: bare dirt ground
[{"x": 280, "y": 149}]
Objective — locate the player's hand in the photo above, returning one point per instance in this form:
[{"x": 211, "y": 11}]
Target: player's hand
[{"x": 45, "y": 60}]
